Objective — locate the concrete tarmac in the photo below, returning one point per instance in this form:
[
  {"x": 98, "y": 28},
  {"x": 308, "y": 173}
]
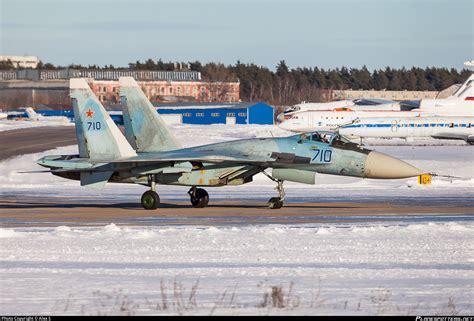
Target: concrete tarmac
[
  {"x": 82, "y": 211},
  {"x": 34, "y": 140}
]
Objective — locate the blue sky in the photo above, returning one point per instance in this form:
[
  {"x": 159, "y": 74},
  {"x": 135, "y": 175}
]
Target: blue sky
[{"x": 319, "y": 33}]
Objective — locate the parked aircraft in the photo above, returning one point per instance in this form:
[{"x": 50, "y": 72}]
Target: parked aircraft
[
  {"x": 460, "y": 104},
  {"x": 106, "y": 156},
  {"x": 32, "y": 115},
  {"x": 460, "y": 128},
  {"x": 343, "y": 105}
]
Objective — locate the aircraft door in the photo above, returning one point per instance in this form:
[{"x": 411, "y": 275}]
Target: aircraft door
[
  {"x": 411, "y": 128},
  {"x": 394, "y": 126},
  {"x": 230, "y": 120}
]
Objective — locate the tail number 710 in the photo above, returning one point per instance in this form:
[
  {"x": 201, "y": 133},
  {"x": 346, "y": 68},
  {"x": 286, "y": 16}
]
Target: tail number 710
[
  {"x": 96, "y": 125},
  {"x": 322, "y": 156}
]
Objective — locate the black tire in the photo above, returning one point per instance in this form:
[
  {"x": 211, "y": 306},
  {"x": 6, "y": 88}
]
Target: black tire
[
  {"x": 150, "y": 200},
  {"x": 200, "y": 199},
  {"x": 275, "y": 203}
]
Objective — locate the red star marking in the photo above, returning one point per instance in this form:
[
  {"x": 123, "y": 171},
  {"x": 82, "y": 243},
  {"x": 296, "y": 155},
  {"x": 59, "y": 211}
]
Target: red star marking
[{"x": 89, "y": 113}]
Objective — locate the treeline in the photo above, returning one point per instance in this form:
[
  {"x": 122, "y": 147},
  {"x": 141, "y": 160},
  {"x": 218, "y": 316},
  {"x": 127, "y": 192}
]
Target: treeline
[{"x": 288, "y": 85}]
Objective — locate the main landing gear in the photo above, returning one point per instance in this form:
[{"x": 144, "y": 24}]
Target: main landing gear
[
  {"x": 276, "y": 202},
  {"x": 199, "y": 197},
  {"x": 151, "y": 199}
]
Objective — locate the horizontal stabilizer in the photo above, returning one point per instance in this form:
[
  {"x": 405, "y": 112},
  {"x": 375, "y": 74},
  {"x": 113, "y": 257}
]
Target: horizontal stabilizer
[{"x": 95, "y": 179}]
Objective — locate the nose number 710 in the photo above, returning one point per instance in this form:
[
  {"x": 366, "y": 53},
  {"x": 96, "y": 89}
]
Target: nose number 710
[{"x": 322, "y": 156}]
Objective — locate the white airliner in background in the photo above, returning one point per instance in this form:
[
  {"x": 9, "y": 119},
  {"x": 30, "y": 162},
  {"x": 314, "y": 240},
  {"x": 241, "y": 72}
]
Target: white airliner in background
[
  {"x": 460, "y": 104},
  {"x": 460, "y": 128},
  {"x": 343, "y": 105},
  {"x": 32, "y": 115}
]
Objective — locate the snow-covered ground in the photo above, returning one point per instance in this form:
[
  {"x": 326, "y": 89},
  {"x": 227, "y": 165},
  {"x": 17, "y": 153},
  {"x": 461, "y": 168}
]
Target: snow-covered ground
[
  {"x": 20, "y": 124},
  {"x": 345, "y": 269},
  {"x": 341, "y": 268}
]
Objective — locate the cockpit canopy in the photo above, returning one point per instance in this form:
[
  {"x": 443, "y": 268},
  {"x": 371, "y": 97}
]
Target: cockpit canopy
[
  {"x": 292, "y": 109},
  {"x": 327, "y": 137}
]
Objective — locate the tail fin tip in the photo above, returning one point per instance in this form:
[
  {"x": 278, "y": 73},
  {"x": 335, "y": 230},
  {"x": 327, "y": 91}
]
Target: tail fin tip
[
  {"x": 127, "y": 82},
  {"x": 78, "y": 83}
]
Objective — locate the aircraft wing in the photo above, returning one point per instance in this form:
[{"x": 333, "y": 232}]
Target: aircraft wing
[
  {"x": 216, "y": 156},
  {"x": 467, "y": 138},
  {"x": 373, "y": 101},
  {"x": 410, "y": 104}
]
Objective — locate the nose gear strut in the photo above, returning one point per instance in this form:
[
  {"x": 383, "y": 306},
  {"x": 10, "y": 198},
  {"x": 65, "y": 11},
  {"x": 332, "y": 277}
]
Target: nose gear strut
[{"x": 276, "y": 202}]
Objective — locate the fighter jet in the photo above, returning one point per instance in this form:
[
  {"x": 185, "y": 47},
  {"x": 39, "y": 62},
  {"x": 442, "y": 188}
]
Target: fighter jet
[{"x": 105, "y": 155}]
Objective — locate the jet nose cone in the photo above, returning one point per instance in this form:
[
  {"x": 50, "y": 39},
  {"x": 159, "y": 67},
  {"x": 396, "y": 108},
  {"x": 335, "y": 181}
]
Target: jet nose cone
[
  {"x": 281, "y": 117},
  {"x": 378, "y": 165},
  {"x": 284, "y": 125}
]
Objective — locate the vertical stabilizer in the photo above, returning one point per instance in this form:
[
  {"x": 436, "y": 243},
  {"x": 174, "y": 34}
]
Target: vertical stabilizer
[
  {"x": 145, "y": 129},
  {"x": 30, "y": 112},
  {"x": 466, "y": 91},
  {"x": 97, "y": 135}
]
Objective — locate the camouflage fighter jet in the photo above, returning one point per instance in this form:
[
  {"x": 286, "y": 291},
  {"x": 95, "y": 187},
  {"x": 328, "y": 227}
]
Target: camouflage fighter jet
[{"x": 152, "y": 156}]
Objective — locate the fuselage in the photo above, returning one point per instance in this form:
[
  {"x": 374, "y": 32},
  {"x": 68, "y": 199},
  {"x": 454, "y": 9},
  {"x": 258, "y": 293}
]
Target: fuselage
[
  {"x": 306, "y": 152},
  {"x": 394, "y": 127},
  {"x": 336, "y": 106},
  {"x": 331, "y": 120}
]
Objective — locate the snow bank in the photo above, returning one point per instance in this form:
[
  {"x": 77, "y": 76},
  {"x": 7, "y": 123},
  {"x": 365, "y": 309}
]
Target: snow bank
[
  {"x": 321, "y": 269},
  {"x": 10, "y": 176},
  {"x": 16, "y": 124},
  {"x": 8, "y": 233}
]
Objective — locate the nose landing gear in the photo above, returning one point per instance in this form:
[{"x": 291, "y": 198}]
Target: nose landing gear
[
  {"x": 199, "y": 197},
  {"x": 276, "y": 202}
]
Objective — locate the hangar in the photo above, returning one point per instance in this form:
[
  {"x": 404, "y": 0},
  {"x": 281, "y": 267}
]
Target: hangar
[
  {"x": 198, "y": 113},
  {"x": 218, "y": 113}
]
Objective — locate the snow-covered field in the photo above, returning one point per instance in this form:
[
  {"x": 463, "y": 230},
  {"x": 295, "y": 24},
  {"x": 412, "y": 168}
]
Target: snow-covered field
[
  {"x": 341, "y": 268},
  {"x": 374, "y": 269},
  {"x": 20, "y": 124}
]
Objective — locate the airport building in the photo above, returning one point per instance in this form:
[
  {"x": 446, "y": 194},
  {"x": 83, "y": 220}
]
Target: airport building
[
  {"x": 32, "y": 87},
  {"x": 21, "y": 61},
  {"x": 206, "y": 114},
  {"x": 172, "y": 91},
  {"x": 383, "y": 94},
  {"x": 197, "y": 113}
]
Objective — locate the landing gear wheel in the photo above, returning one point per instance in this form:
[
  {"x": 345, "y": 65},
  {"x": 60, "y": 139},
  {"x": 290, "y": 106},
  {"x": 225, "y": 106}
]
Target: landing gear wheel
[
  {"x": 275, "y": 203},
  {"x": 199, "y": 198},
  {"x": 150, "y": 200}
]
